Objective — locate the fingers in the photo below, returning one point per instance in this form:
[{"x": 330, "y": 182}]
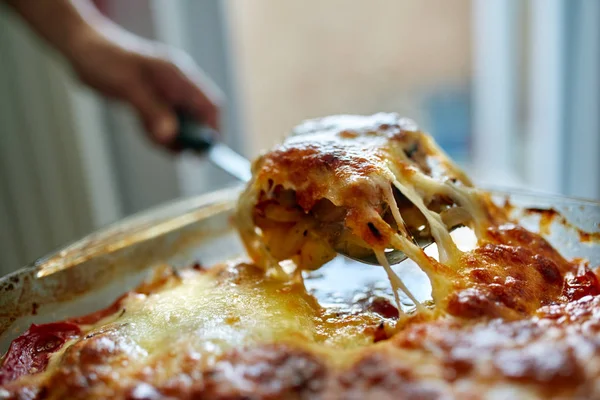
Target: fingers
[
  {"x": 178, "y": 79},
  {"x": 120, "y": 73},
  {"x": 157, "y": 84},
  {"x": 163, "y": 88},
  {"x": 202, "y": 106},
  {"x": 204, "y": 102},
  {"x": 157, "y": 116},
  {"x": 203, "y": 98}
]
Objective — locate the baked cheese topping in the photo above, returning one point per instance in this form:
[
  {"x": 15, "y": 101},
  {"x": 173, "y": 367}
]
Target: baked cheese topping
[
  {"x": 509, "y": 317},
  {"x": 359, "y": 184},
  {"x": 232, "y": 332}
]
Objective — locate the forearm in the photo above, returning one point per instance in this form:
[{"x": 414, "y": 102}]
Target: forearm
[
  {"x": 154, "y": 79},
  {"x": 59, "y": 22},
  {"x": 67, "y": 24}
]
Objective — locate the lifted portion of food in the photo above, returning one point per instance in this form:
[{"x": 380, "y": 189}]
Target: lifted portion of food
[{"x": 359, "y": 185}]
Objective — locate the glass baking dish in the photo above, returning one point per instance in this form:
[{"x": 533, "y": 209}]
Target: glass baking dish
[{"x": 92, "y": 272}]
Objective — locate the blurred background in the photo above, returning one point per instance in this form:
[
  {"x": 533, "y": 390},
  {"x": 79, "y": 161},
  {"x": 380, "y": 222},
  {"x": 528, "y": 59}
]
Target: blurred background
[{"x": 509, "y": 88}]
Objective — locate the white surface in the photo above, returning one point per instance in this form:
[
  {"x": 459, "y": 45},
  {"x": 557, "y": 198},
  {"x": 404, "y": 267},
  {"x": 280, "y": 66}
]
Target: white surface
[
  {"x": 546, "y": 140},
  {"x": 87, "y": 121},
  {"x": 583, "y": 174},
  {"x": 495, "y": 94}
]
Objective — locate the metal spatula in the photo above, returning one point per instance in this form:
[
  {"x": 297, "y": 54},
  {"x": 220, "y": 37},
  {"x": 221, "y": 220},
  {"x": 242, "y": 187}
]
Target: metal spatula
[{"x": 203, "y": 140}]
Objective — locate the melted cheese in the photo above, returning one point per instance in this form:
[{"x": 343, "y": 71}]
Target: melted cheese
[
  {"x": 238, "y": 308},
  {"x": 356, "y": 162},
  {"x": 512, "y": 318},
  {"x": 198, "y": 316},
  {"x": 232, "y": 332}
]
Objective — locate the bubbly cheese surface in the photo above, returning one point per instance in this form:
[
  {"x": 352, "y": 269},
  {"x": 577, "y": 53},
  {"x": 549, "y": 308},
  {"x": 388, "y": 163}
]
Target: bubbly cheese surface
[
  {"x": 231, "y": 332},
  {"x": 502, "y": 316}
]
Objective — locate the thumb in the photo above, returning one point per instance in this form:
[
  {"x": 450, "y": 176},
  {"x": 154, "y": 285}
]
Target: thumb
[{"x": 158, "y": 118}]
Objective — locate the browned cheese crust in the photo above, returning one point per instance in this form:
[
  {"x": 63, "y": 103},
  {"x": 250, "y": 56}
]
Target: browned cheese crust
[
  {"x": 535, "y": 337},
  {"x": 508, "y": 319}
]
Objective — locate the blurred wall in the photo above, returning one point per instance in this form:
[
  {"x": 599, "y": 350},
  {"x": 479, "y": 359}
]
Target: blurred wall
[
  {"x": 55, "y": 174},
  {"x": 301, "y": 59}
]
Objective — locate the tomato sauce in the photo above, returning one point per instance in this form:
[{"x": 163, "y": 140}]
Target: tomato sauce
[{"x": 30, "y": 352}]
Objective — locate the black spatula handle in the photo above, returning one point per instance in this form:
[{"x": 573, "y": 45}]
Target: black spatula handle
[{"x": 193, "y": 135}]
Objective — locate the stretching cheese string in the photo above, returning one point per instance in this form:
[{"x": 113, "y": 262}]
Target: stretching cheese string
[
  {"x": 397, "y": 283},
  {"x": 391, "y": 201},
  {"x": 447, "y": 248}
]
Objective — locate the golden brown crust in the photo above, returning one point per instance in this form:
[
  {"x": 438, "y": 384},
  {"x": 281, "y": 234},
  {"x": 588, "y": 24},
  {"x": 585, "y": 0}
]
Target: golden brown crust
[
  {"x": 509, "y": 319},
  {"x": 509, "y": 277},
  {"x": 554, "y": 352},
  {"x": 271, "y": 371},
  {"x": 344, "y": 154}
]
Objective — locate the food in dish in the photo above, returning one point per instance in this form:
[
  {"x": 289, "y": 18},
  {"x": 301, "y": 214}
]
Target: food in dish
[
  {"x": 360, "y": 184},
  {"x": 507, "y": 318}
]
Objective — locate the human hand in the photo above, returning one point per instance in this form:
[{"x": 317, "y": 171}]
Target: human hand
[{"x": 154, "y": 79}]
